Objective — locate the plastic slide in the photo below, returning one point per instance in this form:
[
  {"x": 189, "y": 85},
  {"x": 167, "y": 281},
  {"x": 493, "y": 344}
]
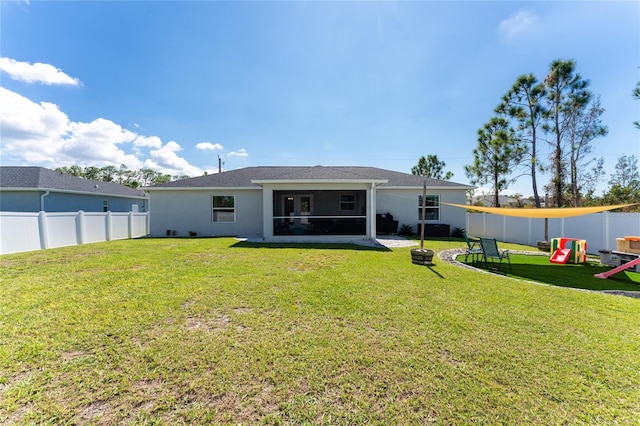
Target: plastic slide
[
  {"x": 617, "y": 269},
  {"x": 560, "y": 255}
]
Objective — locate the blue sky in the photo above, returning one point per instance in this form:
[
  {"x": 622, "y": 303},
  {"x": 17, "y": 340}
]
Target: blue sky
[{"x": 174, "y": 85}]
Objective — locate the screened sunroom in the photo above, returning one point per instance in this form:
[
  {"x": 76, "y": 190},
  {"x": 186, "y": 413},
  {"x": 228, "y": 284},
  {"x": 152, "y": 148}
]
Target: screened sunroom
[{"x": 319, "y": 212}]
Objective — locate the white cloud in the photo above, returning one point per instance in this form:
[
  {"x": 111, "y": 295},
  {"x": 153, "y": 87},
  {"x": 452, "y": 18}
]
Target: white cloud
[
  {"x": 97, "y": 143},
  {"x": 150, "y": 142},
  {"x": 519, "y": 23},
  {"x": 41, "y": 134},
  {"x": 166, "y": 160},
  {"x": 209, "y": 146},
  {"x": 30, "y": 131},
  {"x": 36, "y": 73},
  {"x": 239, "y": 153}
]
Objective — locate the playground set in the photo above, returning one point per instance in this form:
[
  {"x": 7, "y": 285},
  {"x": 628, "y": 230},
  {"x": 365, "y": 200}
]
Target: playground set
[
  {"x": 627, "y": 256},
  {"x": 573, "y": 250},
  {"x": 568, "y": 250}
]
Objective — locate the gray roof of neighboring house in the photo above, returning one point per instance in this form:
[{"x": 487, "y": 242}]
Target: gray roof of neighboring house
[
  {"x": 243, "y": 178},
  {"x": 504, "y": 200},
  {"x": 41, "y": 179}
]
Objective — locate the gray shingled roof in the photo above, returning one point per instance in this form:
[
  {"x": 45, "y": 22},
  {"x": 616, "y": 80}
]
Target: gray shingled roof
[
  {"x": 242, "y": 178},
  {"x": 41, "y": 179}
]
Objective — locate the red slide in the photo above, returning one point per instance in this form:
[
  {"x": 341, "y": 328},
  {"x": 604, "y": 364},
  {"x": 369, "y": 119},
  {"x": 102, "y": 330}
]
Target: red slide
[
  {"x": 617, "y": 269},
  {"x": 560, "y": 255}
]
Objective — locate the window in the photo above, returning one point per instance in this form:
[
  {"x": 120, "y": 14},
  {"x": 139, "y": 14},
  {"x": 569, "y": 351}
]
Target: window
[
  {"x": 105, "y": 206},
  {"x": 224, "y": 208},
  {"x": 347, "y": 202},
  {"x": 432, "y": 207}
]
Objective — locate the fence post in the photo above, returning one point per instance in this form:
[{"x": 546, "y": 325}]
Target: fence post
[
  {"x": 466, "y": 227},
  {"x": 44, "y": 235},
  {"x": 130, "y": 223},
  {"x": 108, "y": 226},
  {"x": 606, "y": 230},
  {"x": 80, "y": 227},
  {"x": 504, "y": 228},
  {"x": 484, "y": 224}
]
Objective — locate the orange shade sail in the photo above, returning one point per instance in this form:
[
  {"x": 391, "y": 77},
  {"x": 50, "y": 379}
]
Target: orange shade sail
[{"x": 541, "y": 213}]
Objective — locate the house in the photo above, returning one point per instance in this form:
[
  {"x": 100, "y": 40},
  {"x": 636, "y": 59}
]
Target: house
[
  {"x": 300, "y": 203},
  {"x": 35, "y": 189}
]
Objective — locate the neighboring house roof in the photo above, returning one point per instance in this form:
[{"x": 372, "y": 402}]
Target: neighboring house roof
[
  {"x": 252, "y": 177},
  {"x": 504, "y": 200},
  {"x": 41, "y": 179}
]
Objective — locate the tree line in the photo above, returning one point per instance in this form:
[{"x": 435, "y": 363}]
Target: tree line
[
  {"x": 122, "y": 175},
  {"x": 624, "y": 183},
  {"x": 560, "y": 111}
]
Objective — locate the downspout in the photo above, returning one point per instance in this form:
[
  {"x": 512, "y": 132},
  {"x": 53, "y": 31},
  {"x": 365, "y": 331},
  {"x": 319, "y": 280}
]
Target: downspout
[
  {"x": 148, "y": 212},
  {"x": 42, "y": 200}
]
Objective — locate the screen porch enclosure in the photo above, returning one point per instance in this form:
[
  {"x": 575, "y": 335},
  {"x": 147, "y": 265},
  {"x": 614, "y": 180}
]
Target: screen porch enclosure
[{"x": 324, "y": 212}]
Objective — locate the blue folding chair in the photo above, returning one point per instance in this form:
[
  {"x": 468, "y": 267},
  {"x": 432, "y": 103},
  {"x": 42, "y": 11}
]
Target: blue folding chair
[
  {"x": 473, "y": 248},
  {"x": 490, "y": 251}
]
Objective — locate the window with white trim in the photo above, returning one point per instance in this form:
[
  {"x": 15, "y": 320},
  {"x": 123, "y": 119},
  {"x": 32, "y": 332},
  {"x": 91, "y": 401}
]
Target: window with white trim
[
  {"x": 224, "y": 208},
  {"x": 432, "y": 207},
  {"x": 105, "y": 206},
  {"x": 347, "y": 202}
]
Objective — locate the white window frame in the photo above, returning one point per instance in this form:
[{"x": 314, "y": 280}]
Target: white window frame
[
  {"x": 351, "y": 201},
  {"x": 214, "y": 209},
  {"x": 429, "y": 207}
]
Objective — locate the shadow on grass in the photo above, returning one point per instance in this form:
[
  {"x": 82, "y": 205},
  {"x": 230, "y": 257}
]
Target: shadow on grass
[
  {"x": 435, "y": 272},
  {"x": 539, "y": 269},
  {"x": 311, "y": 246}
]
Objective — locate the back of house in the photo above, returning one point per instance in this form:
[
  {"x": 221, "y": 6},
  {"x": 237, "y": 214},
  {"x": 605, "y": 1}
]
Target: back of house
[{"x": 303, "y": 203}]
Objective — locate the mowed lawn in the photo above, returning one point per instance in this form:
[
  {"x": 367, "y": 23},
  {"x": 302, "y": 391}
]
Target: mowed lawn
[{"x": 196, "y": 331}]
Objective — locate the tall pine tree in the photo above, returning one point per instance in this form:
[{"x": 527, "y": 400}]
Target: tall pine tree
[
  {"x": 498, "y": 151},
  {"x": 524, "y": 103},
  {"x": 566, "y": 92}
]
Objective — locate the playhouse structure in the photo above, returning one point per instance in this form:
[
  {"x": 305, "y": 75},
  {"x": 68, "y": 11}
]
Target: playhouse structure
[
  {"x": 628, "y": 244},
  {"x": 627, "y": 256},
  {"x": 568, "y": 250},
  {"x": 628, "y": 252}
]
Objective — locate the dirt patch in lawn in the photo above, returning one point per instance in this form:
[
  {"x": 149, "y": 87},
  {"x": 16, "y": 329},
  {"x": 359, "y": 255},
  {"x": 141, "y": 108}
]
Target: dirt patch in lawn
[{"x": 208, "y": 324}]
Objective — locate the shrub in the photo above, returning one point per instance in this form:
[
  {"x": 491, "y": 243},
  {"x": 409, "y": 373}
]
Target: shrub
[
  {"x": 457, "y": 232},
  {"x": 406, "y": 230}
]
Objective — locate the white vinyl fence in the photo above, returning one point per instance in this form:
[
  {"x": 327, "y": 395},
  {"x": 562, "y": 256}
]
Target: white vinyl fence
[
  {"x": 600, "y": 230},
  {"x": 34, "y": 231}
]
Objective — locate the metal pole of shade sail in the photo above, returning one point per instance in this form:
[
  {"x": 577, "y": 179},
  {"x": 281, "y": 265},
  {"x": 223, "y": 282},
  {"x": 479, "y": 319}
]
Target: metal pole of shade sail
[{"x": 424, "y": 204}]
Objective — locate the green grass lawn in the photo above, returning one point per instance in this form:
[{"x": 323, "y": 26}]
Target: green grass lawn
[
  {"x": 538, "y": 268},
  {"x": 192, "y": 331}
]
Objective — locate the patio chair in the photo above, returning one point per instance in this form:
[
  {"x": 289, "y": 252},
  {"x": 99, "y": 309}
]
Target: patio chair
[
  {"x": 490, "y": 251},
  {"x": 473, "y": 248}
]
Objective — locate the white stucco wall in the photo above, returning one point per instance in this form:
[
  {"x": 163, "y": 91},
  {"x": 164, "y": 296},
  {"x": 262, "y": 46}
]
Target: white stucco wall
[
  {"x": 403, "y": 205},
  {"x": 187, "y": 210},
  {"x": 191, "y": 210}
]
